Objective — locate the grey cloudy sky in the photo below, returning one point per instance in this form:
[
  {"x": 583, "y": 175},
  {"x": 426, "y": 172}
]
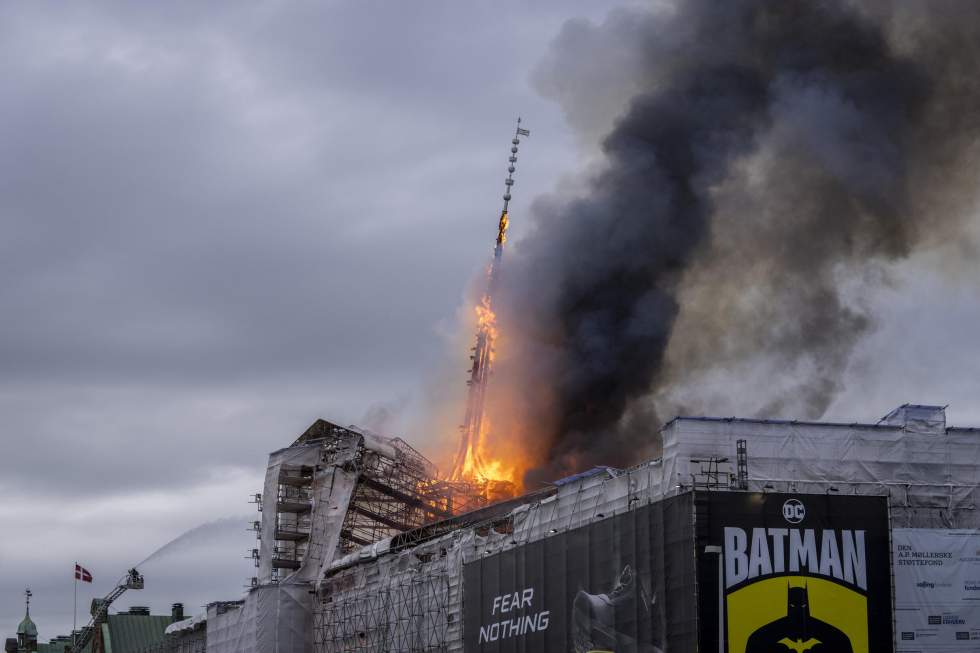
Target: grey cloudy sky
[{"x": 219, "y": 221}]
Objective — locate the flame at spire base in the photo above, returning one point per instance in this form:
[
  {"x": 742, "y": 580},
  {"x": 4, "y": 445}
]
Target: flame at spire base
[{"x": 476, "y": 459}]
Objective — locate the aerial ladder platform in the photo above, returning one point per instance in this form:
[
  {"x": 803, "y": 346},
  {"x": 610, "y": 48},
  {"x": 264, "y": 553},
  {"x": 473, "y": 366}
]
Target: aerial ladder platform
[{"x": 132, "y": 581}]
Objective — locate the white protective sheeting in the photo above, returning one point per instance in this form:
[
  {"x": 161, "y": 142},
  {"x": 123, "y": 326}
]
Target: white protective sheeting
[
  {"x": 302, "y": 454},
  {"x": 372, "y": 588},
  {"x": 308, "y": 488},
  {"x": 332, "y": 493},
  {"x": 410, "y": 600},
  {"x": 937, "y": 590},
  {"x": 930, "y": 475},
  {"x": 226, "y": 628},
  {"x": 918, "y": 419},
  {"x": 273, "y": 619},
  {"x": 277, "y": 617},
  {"x": 377, "y": 443},
  {"x": 185, "y": 624}
]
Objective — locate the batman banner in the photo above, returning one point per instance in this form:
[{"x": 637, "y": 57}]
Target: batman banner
[{"x": 781, "y": 573}]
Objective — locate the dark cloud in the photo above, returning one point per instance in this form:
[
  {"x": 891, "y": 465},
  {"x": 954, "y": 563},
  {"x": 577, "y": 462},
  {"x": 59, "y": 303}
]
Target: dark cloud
[{"x": 772, "y": 158}]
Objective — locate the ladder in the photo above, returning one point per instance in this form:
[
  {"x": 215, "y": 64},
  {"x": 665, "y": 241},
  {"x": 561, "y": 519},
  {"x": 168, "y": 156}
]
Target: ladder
[{"x": 132, "y": 581}]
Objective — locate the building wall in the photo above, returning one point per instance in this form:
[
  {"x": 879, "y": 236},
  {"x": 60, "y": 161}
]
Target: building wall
[
  {"x": 271, "y": 618},
  {"x": 412, "y": 599},
  {"x": 187, "y": 641},
  {"x": 931, "y": 476}
]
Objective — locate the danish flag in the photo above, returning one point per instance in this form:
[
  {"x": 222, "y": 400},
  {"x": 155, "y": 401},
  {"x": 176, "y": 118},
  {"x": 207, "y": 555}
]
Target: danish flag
[{"x": 82, "y": 574}]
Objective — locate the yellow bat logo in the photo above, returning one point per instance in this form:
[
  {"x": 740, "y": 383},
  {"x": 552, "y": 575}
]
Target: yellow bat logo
[{"x": 799, "y": 645}]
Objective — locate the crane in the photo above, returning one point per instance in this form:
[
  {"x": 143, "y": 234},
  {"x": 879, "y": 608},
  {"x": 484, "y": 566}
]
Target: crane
[{"x": 132, "y": 581}]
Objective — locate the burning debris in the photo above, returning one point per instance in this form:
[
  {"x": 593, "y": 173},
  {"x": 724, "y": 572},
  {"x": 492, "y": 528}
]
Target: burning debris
[{"x": 769, "y": 153}]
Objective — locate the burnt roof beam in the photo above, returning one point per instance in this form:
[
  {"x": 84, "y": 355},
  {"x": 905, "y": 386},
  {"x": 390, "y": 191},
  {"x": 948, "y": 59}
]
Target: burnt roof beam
[
  {"x": 381, "y": 519},
  {"x": 405, "y": 498}
]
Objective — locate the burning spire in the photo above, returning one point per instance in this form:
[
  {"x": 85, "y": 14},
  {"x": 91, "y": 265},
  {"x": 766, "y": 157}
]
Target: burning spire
[{"x": 470, "y": 462}]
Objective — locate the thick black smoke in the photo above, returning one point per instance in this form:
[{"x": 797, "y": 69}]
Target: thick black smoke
[{"x": 772, "y": 152}]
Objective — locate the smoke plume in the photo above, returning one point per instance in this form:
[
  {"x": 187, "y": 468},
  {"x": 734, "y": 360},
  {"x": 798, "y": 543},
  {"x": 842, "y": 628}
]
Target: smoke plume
[{"x": 766, "y": 161}]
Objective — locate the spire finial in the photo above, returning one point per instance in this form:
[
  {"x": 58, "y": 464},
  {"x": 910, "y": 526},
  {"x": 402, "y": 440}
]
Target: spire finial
[
  {"x": 27, "y": 600},
  {"x": 512, "y": 160}
]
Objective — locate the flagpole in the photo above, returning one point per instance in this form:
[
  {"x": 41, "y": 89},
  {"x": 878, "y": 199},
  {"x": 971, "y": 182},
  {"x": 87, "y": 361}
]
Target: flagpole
[{"x": 74, "y": 611}]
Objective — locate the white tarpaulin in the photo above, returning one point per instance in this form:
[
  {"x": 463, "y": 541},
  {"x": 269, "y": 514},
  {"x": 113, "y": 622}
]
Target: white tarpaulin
[
  {"x": 329, "y": 496},
  {"x": 305, "y": 454},
  {"x": 273, "y": 619},
  {"x": 930, "y": 473},
  {"x": 937, "y": 590}
]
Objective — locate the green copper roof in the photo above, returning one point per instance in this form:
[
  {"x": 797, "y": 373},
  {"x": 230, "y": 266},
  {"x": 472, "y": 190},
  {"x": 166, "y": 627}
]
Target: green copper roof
[
  {"x": 58, "y": 646},
  {"x": 27, "y": 627},
  {"x": 132, "y": 632}
]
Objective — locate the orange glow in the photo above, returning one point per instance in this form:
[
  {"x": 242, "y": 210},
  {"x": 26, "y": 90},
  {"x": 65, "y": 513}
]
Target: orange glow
[
  {"x": 486, "y": 321},
  {"x": 490, "y": 458},
  {"x": 494, "y": 450},
  {"x": 502, "y": 228},
  {"x": 480, "y": 465},
  {"x": 484, "y": 463}
]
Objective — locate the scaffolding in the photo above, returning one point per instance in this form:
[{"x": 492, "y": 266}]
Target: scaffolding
[
  {"x": 399, "y": 494},
  {"x": 294, "y": 504},
  {"x": 709, "y": 474},
  {"x": 404, "y": 591},
  {"x": 414, "y": 610},
  {"x": 742, "y": 457},
  {"x": 395, "y": 489},
  {"x": 333, "y": 491}
]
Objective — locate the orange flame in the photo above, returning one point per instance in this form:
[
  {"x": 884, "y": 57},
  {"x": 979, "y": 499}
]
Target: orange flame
[
  {"x": 486, "y": 321},
  {"x": 493, "y": 450},
  {"x": 486, "y": 461}
]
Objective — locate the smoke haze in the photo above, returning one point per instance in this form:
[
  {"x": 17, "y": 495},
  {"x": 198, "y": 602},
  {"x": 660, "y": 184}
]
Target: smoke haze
[{"x": 770, "y": 159}]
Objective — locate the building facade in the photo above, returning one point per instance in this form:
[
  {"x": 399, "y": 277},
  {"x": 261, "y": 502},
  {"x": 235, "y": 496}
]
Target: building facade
[{"x": 744, "y": 534}]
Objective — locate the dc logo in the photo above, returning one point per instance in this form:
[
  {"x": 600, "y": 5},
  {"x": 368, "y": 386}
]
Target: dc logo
[{"x": 793, "y": 511}]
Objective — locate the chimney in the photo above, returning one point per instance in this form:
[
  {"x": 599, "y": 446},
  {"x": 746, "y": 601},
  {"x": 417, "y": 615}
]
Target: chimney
[{"x": 177, "y": 612}]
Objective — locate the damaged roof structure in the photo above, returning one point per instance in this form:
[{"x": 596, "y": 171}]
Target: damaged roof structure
[
  {"x": 333, "y": 491},
  {"x": 362, "y": 549}
]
